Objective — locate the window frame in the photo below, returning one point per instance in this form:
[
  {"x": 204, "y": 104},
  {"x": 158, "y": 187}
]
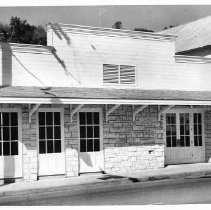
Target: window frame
[
  {"x": 119, "y": 76},
  {"x": 19, "y": 112},
  {"x": 61, "y": 111},
  {"x": 99, "y": 110}
]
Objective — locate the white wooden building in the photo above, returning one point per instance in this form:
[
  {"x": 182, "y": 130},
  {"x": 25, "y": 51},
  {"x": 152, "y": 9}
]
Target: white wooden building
[{"x": 101, "y": 100}]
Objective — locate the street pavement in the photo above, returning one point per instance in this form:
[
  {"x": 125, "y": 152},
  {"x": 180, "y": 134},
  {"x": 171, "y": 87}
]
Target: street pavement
[{"x": 170, "y": 191}]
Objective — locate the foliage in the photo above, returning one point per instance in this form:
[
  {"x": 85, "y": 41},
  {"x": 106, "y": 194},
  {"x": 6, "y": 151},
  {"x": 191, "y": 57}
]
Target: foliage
[
  {"x": 167, "y": 27},
  {"x": 117, "y": 25},
  {"x": 19, "y": 31},
  {"x": 143, "y": 29}
]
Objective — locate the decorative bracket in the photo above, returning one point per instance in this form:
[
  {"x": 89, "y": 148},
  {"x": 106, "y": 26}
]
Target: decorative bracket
[
  {"x": 164, "y": 110},
  {"x": 109, "y": 111},
  {"x": 72, "y": 112},
  {"x": 139, "y": 109},
  {"x": 31, "y": 112}
]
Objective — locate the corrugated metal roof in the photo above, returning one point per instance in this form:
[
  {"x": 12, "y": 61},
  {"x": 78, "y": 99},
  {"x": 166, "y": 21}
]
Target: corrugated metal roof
[
  {"x": 191, "y": 35},
  {"x": 102, "y": 93}
]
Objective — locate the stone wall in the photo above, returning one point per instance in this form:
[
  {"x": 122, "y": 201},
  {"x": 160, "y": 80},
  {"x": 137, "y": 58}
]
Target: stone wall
[{"x": 131, "y": 146}]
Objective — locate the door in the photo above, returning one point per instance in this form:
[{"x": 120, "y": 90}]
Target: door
[
  {"x": 10, "y": 144},
  {"x": 51, "y": 142},
  {"x": 90, "y": 141},
  {"x": 184, "y": 137}
]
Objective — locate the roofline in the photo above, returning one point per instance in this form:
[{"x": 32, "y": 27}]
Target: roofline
[
  {"x": 16, "y": 47},
  {"x": 17, "y": 100},
  {"x": 191, "y": 59},
  {"x": 110, "y": 31}
]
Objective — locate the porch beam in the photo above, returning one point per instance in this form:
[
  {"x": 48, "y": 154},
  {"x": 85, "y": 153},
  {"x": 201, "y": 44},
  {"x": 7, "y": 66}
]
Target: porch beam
[
  {"x": 109, "y": 111},
  {"x": 139, "y": 109},
  {"x": 73, "y": 111},
  {"x": 31, "y": 111},
  {"x": 164, "y": 110}
]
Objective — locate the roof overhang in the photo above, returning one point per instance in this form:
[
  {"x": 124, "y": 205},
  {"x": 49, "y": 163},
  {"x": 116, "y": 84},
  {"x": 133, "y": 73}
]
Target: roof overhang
[{"x": 98, "y": 101}]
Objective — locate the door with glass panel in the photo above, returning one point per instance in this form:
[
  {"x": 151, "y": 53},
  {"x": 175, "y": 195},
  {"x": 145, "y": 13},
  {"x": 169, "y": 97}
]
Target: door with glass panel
[
  {"x": 90, "y": 141},
  {"x": 10, "y": 144},
  {"x": 51, "y": 142},
  {"x": 184, "y": 137}
]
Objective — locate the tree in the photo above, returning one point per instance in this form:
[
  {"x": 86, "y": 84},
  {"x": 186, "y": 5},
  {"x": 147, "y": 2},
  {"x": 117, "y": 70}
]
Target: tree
[
  {"x": 143, "y": 29},
  {"x": 167, "y": 27},
  {"x": 117, "y": 25},
  {"x": 19, "y": 31}
]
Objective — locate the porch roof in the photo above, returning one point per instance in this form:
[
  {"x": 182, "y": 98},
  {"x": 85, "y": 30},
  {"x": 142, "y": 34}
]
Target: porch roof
[{"x": 79, "y": 95}]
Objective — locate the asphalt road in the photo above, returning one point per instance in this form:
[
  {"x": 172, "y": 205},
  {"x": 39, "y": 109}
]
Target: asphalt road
[{"x": 183, "y": 191}]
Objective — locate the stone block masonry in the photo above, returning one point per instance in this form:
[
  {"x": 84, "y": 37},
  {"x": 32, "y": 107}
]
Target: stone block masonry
[{"x": 131, "y": 146}]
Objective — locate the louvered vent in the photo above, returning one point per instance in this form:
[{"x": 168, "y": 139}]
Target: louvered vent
[
  {"x": 110, "y": 74},
  {"x": 127, "y": 74}
]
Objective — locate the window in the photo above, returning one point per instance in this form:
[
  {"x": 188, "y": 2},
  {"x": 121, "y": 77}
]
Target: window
[
  {"x": 8, "y": 133},
  {"x": 118, "y": 74},
  {"x": 89, "y": 131},
  {"x": 49, "y": 132},
  {"x": 197, "y": 126}
]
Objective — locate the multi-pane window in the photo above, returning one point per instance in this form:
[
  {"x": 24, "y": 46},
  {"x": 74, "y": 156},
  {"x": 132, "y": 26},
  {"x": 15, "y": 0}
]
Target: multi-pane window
[
  {"x": 171, "y": 135},
  {"x": 118, "y": 74},
  {"x": 89, "y": 131},
  {"x": 184, "y": 130},
  {"x": 8, "y": 133},
  {"x": 197, "y": 125},
  {"x": 49, "y": 132}
]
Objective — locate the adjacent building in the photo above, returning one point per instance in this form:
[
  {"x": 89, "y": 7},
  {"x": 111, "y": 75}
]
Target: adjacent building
[{"x": 101, "y": 100}]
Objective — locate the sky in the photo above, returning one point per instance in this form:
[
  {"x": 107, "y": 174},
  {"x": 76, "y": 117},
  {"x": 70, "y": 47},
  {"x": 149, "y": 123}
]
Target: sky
[{"x": 154, "y": 17}]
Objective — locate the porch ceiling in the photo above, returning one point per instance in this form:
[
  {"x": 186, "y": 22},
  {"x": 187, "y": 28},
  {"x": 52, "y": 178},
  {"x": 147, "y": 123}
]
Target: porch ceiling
[{"x": 78, "y": 95}]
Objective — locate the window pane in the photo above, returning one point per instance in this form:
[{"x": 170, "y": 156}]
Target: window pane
[
  {"x": 50, "y": 132},
  {"x": 199, "y": 129},
  {"x": 200, "y": 140},
  {"x": 168, "y": 141},
  {"x": 181, "y": 119},
  {"x": 83, "y": 131},
  {"x": 187, "y": 118},
  {"x": 182, "y": 142},
  {"x": 187, "y": 129},
  {"x": 89, "y": 132},
  {"x": 97, "y": 145},
  {"x": 89, "y": 118},
  {"x": 174, "y": 143},
  {"x": 57, "y": 144},
  {"x": 50, "y": 146},
  {"x": 195, "y": 118},
  {"x": 41, "y": 118},
  {"x": 195, "y": 129},
  {"x": 5, "y": 119},
  {"x": 42, "y": 147},
  {"x": 96, "y": 118},
  {"x": 182, "y": 130},
  {"x": 168, "y": 119},
  {"x": 90, "y": 145},
  {"x": 49, "y": 118},
  {"x": 82, "y": 118},
  {"x": 14, "y": 148},
  {"x": 173, "y": 130},
  {"x": 56, "y": 118},
  {"x": 168, "y": 130},
  {"x": 83, "y": 145},
  {"x": 41, "y": 132},
  {"x": 96, "y": 132},
  {"x": 0, "y": 149},
  {"x": 195, "y": 141},
  {"x": 6, "y": 148},
  {"x": 14, "y": 133},
  {"x": 57, "y": 132},
  {"x": 0, "y": 134},
  {"x": 14, "y": 118},
  {"x": 199, "y": 118},
  {"x": 187, "y": 140},
  {"x": 173, "y": 118},
  {"x": 6, "y": 135}
]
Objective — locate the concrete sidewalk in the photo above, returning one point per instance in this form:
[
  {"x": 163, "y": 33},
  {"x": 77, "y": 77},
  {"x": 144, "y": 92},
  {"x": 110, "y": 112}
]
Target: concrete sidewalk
[{"x": 103, "y": 180}]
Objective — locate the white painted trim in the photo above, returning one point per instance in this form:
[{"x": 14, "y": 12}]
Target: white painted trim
[
  {"x": 31, "y": 112},
  {"x": 75, "y": 110},
  {"x": 109, "y": 111},
  {"x": 61, "y": 110},
  {"x": 139, "y": 109},
  {"x": 99, "y": 101},
  {"x": 101, "y": 132}
]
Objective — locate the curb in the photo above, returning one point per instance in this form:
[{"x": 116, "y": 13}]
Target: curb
[{"x": 7, "y": 195}]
